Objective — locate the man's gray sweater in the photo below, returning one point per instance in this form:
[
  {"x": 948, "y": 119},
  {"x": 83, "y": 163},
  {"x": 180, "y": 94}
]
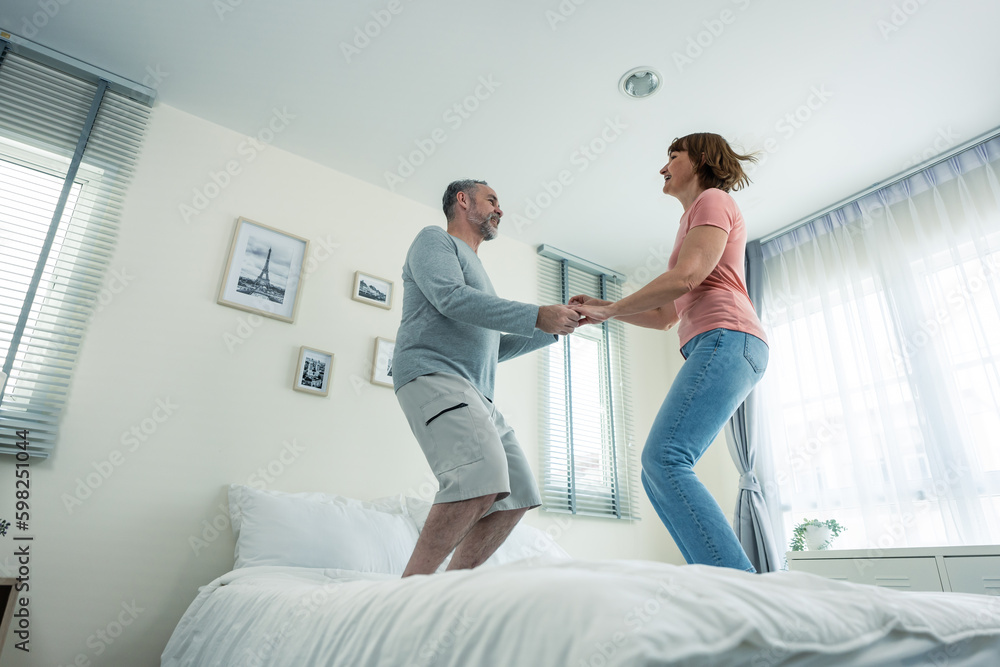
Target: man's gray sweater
[{"x": 453, "y": 319}]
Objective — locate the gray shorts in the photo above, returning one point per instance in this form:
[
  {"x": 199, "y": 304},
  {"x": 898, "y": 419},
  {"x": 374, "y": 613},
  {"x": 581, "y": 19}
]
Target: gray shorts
[{"x": 468, "y": 444}]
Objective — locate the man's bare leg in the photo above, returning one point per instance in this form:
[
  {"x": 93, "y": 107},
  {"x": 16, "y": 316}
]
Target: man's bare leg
[
  {"x": 485, "y": 538},
  {"x": 447, "y": 524}
]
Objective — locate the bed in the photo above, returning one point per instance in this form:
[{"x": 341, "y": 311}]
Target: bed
[{"x": 534, "y": 606}]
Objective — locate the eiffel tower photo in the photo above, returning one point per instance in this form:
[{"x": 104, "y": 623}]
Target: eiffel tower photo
[
  {"x": 263, "y": 281},
  {"x": 262, "y": 284}
]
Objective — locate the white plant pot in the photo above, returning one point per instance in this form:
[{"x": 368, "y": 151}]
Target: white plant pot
[{"x": 817, "y": 537}]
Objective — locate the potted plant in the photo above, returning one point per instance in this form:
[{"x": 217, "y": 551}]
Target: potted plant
[{"x": 815, "y": 534}]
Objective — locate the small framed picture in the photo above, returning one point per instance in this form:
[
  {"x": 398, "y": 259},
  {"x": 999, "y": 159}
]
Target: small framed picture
[
  {"x": 372, "y": 289},
  {"x": 312, "y": 373},
  {"x": 382, "y": 362},
  {"x": 264, "y": 271}
]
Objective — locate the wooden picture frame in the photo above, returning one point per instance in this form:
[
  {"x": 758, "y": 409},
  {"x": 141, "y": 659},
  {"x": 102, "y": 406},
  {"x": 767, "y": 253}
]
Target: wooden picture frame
[
  {"x": 382, "y": 362},
  {"x": 313, "y": 371},
  {"x": 8, "y": 598},
  {"x": 263, "y": 272},
  {"x": 372, "y": 290}
]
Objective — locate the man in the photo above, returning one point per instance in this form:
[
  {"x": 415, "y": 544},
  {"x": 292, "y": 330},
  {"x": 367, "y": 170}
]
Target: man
[{"x": 443, "y": 369}]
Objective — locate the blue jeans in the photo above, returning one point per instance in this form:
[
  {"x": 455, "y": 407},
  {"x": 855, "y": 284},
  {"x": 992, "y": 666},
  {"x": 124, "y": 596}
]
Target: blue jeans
[{"x": 720, "y": 369}]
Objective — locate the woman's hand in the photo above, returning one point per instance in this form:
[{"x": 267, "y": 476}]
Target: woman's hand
[
  {"x": 584, "y": 300},
  {"x": 594, "y": 314},
  {"x": 593, "y": 310}
]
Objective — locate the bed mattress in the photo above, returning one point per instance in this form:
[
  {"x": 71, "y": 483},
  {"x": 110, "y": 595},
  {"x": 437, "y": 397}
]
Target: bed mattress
[{"x": 577, "y": 614}]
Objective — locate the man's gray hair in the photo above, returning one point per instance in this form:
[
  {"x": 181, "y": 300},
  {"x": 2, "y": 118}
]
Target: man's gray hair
[{"x": 468, "y": 186}]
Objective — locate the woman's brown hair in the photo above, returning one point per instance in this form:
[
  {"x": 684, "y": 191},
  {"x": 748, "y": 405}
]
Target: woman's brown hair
[{"x": 715, "y": 162}]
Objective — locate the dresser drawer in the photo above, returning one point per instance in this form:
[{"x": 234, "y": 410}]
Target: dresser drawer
[
  {"x": 906, "y": 574},
  {"x": 842, "y": 569},
  {"x": 974, "y": 574}
]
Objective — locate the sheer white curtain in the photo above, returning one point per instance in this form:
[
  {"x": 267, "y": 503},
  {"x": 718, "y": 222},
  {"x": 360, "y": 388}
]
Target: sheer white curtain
[{"x": 883, "y": 394}]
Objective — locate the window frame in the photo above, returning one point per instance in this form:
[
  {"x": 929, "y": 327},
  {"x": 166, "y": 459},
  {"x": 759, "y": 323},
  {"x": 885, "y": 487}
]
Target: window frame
[
  {"x": 101, "y": 120},
  {"x": 611, "y": 492}
]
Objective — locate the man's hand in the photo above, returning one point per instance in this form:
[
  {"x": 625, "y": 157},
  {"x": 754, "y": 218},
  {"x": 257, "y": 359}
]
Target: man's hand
[{"x": 560, "y": 320}]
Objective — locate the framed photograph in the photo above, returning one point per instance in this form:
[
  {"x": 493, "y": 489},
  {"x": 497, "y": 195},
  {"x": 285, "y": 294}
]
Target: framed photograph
[
  {"x": 372, "y": 289},
  {"x": 264, "y": 271},
  {"x": 312, "y": 373},
  {"x": 382, "y": 362}
]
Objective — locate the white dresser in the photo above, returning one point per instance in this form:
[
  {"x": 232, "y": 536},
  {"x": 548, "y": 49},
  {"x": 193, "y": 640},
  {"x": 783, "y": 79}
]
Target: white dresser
[{"x": 973, "y": 569}]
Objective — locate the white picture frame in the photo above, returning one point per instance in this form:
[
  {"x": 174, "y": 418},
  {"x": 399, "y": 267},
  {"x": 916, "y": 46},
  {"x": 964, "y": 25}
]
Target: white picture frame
[
  {"x": 372, "y": 290},
  {"x": 313, "y": 371},
  {"x": 263, "y": 272},
  {"x": 382, "y": 362}
]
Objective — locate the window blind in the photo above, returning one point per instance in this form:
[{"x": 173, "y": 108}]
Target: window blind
[
  {"x": 587, "y": 462},
  {"x": 68, "y": 147}
]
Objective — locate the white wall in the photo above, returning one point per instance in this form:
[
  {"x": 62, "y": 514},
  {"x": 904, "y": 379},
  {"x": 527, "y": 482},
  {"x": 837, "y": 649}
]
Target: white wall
[{"x": 161, "y": 340}]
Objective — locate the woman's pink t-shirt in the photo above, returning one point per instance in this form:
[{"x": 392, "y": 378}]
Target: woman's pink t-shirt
[{"x": 721, "y": 300}]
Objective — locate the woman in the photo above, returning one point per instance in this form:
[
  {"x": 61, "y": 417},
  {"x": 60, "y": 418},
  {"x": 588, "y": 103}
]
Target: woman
[{"x": 721, "y": 339}]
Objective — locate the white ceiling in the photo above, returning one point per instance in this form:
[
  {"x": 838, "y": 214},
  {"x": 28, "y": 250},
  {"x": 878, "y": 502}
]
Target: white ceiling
[{"x": 896, "y": 88}]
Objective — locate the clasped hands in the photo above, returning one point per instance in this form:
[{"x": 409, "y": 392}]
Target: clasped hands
[{"x": 580, "y": 310}]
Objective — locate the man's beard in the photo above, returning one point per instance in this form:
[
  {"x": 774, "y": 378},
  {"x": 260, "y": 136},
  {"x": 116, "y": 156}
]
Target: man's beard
[{"x": 488, "y": 231}]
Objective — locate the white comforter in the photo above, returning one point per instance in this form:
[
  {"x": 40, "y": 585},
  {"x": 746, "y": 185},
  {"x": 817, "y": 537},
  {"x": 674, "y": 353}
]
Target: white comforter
[{"x": 554, "y": 614}]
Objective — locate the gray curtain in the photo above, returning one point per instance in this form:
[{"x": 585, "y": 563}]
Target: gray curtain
[{"x": 751, "y": 521}]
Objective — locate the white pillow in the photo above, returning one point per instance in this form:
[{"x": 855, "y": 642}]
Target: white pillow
[
  {"x": 320, "y": 530},
  {"x": 527, "y": 542},
  {"x": 524, "y": 541}
]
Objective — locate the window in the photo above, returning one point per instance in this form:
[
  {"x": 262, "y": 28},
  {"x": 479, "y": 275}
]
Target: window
[
  {"x": 883, "y": 394},
  {"x": 586, "y": 442},
  {"x": 68, "y": 143}
]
